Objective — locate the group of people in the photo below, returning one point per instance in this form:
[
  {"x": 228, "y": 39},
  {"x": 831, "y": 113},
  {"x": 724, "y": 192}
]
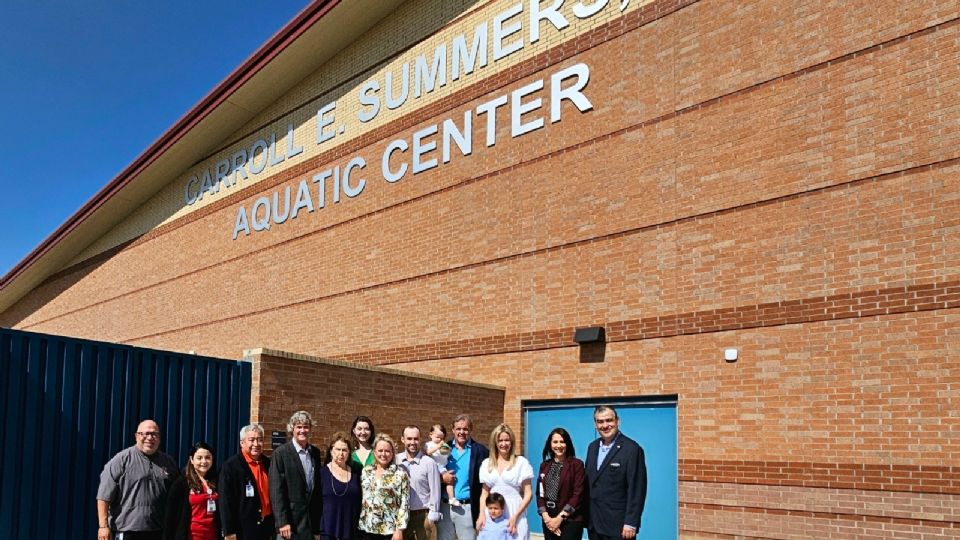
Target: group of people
[{"x": 367, "y": 487}]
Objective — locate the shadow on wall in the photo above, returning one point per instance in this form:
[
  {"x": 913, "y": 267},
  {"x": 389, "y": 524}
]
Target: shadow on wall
[{"x": 593, "y": 353}]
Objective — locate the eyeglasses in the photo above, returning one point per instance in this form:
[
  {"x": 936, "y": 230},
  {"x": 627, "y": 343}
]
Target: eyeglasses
[{"x": 149, "y": 434}]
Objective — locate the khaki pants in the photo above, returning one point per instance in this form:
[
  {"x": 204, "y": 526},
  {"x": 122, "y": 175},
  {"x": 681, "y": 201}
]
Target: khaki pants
[{"x": 419, "y": 527}]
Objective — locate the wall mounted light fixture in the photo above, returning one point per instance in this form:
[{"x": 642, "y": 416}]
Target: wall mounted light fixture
[{"x": 592, "y": 334}]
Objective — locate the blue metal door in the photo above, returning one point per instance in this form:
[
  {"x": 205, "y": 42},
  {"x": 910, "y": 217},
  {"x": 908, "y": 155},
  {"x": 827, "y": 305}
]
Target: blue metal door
[{"x": 652, "y": 423}]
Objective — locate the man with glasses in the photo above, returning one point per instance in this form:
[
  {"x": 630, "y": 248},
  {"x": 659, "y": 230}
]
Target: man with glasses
[
  {"x": 245, "y": 512},
  {"x": 132, "y": 496}
]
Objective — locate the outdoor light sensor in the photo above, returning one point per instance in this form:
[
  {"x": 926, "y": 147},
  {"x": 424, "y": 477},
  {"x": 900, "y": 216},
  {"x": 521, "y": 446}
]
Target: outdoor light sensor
[{"x": 730, "y": 355}]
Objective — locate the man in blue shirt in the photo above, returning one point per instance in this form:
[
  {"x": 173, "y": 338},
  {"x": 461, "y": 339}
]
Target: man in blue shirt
[{"x": 463, "y": 472}]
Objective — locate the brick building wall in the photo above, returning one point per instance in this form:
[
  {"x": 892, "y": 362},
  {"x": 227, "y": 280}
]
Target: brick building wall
[
  {"x": 775, "y": 176},
  {"x": 336, "y": 392}
]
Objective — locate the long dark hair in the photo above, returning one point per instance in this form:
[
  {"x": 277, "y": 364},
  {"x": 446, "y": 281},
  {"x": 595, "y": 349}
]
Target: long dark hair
[
  {"x": 367, "y": 421},
  {"x": 190, "y": 473},
  {"x": 568, "y": 453}
]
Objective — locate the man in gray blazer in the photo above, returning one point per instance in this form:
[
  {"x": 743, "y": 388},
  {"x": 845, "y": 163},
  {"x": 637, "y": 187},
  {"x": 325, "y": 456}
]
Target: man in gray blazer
[
  {"x": 295, "y": 482},
  {"x": 617, "y": 480}
]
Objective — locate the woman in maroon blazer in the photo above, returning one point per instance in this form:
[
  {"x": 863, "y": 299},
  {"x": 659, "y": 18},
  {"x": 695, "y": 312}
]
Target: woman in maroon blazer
[{"x": 561, "y": 489}]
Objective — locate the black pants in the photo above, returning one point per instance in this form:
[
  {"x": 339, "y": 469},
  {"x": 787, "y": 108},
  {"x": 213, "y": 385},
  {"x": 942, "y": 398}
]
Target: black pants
[
  {"x": 370, "y": 536},
  {"x": 569, "y": 530},
  {"x": 267, "y": 529}
]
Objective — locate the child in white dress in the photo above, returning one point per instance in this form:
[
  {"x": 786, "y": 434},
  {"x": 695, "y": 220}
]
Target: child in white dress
[{"x": 440, "y": 452}]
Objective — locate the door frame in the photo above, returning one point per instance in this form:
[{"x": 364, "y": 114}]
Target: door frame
[{"x": 666, "y": 400}]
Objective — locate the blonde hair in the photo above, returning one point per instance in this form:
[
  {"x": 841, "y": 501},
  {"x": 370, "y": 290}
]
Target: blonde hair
[
  {"x": 383, "y": 437},
  {"x": 495, "y": 452}
]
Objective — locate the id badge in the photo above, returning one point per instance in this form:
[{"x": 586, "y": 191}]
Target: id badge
[
  {"x": 249, "y": 491},
  {"x": 211, "y": 506}
]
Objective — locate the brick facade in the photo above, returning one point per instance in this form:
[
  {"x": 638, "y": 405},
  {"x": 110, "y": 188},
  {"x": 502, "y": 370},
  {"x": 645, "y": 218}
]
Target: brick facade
[
  {"x": 775, "y": 176},
  {"x": 336, "y": 392}
]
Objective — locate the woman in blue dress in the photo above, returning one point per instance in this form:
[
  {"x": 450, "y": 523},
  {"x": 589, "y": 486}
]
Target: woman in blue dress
[{"x": 340, "y": 488}]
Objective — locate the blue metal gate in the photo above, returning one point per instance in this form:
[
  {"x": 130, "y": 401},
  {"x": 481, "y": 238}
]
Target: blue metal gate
[{"x": 68, "y": 405}]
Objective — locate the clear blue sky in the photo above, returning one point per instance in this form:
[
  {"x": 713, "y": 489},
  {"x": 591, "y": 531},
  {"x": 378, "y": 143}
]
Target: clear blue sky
[{"x": 87, "y": 85}]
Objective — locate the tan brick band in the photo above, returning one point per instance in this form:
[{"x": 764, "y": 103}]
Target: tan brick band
[
  {"x": 866, "y": 477},
  {"x": 361, "y": 75},
  {"x": 862, "y": 518}
]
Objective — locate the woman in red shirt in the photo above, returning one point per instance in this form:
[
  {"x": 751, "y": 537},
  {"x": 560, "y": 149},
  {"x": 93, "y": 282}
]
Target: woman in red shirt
[{"x": 192, "y": 507}]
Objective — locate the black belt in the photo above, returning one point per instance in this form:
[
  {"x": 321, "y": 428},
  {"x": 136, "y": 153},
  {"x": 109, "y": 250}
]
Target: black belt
[
  {"x": 463, "y": 501},
  {"x": 550, "y": 504}
]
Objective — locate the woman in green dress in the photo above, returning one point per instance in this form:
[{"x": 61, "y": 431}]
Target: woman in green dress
[{"x": 362, "y": 433}]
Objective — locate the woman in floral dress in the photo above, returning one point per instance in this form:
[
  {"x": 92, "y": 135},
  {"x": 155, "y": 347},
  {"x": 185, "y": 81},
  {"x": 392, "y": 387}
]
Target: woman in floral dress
[{"x": 385, "y": 509}]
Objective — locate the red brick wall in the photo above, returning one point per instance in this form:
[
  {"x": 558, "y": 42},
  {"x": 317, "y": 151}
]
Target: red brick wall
[
  {"x": 775, "y": 176},
  {"x": 845, "y": 426},
  {"x": 656, "y": 159},
  {"x": 334, "y": 393}
]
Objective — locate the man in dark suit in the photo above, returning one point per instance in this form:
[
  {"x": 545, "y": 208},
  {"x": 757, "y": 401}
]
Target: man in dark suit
[
  {"x": 463, "y": 473},
  {"x": 245, "y": 512},
  {"x": 295, "y": 482},
  {"x": 617, "y": 480}
]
